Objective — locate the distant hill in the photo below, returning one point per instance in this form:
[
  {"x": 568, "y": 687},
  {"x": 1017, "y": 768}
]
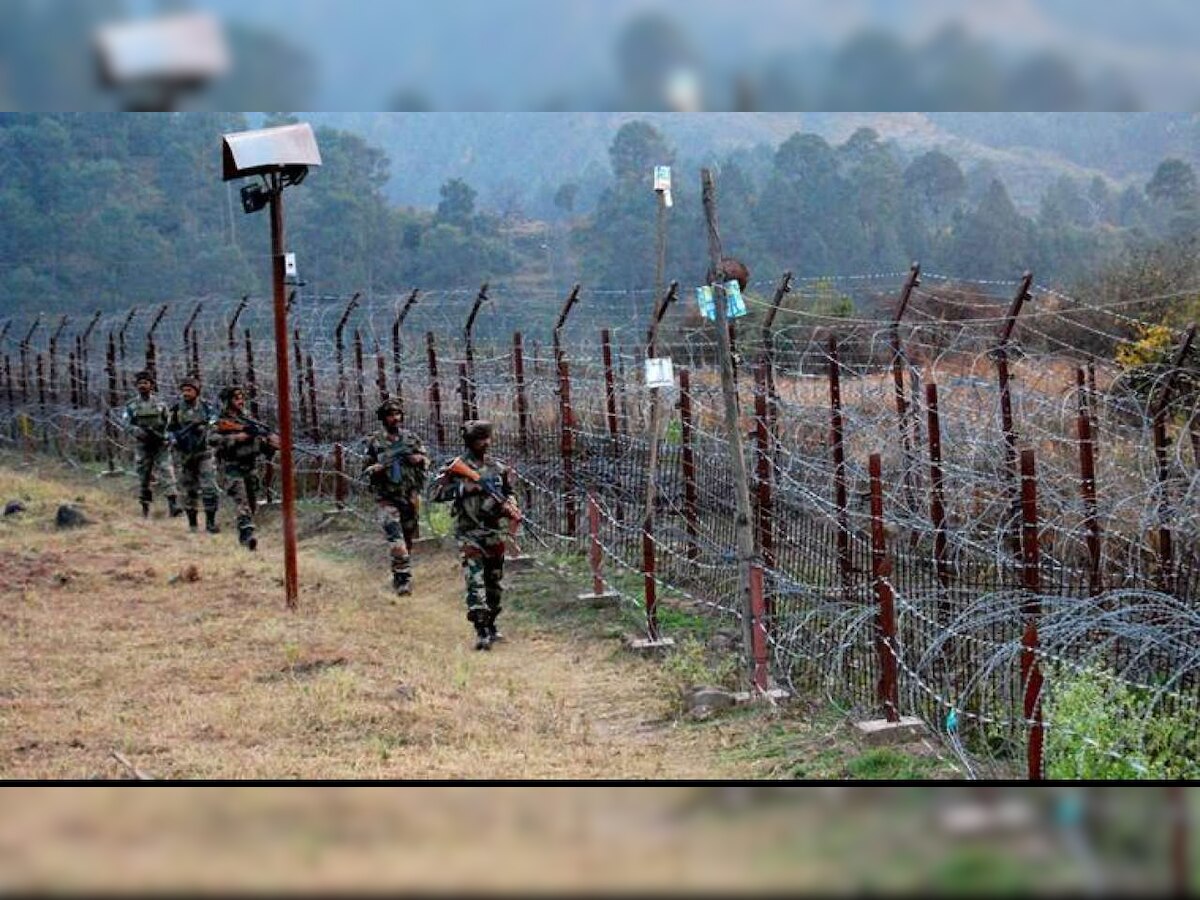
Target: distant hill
[{"x": 526, "y": 156}]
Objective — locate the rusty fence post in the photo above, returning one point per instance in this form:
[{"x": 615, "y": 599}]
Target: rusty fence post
[
  {"x": 113, "y": 401},
  {"x": 397, "y": 369},
  {"x": 339, "y": 475},
  {"x": 610, "y": 388},
  {"x": 73, "y": 379},
  {"x": 1006, "y": 412},
  {"x": 85, "y": 341},
  {"x": 464, "y": 393},
  {"x": 435, "y": 392},
  {"x": 600, "y": 591},
  {"x": 881, "y": 569},
  {"x": 359, "y": 396},
  {"x": 937, "y": 496},
  {"x": 1031, "y": 674},
  {"x": 1087, "y": 487},
  {"x": 467, "y": 372},
  {"x": 24, "y": 350},
  {"x": 54, "y": 360},
  {"x": 151, "y": 347},
  {"x": 764, "y": 510},
  {"x": 898, "y": 366},
  {"x": 381, "y": 385},
  {"x": 298, "y": 361},
  {"x": 839, "y": 468},
  {"x": 41, "y": 392},
  {"x": 314, "y": 412},
  {"x": 231, "y": 339},
  {"x": 649, "y": 582},
  {"x": 567, "y": 444},
  {"x": 760, "y": 677},
  {"x": 522, "y": 399},
  {"x": 251, "y": 376},
  {"x": 1162, "y": 442},
  {"x": 691, "y": 504}
]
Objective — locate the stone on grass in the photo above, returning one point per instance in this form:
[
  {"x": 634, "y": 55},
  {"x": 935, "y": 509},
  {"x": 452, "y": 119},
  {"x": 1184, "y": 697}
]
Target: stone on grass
[
  {"x": 12, "y": 507},
  {"x": 69, "y": 517}
]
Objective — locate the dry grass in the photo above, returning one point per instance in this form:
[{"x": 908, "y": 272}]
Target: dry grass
[{"x": 108, "y": 647}]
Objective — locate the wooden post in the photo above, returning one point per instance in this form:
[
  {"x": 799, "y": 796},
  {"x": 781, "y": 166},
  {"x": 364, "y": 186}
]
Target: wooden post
[
  {"x": 840, "y": 491},
  {"x": 1031, "y": 675},
  {"x": 1087, "y": 487},
  {"x": 1006, "y": 414},
  {"x": 881, "y": 568},
  {"x": 522, "y": 399},
  {"x": 741, "y": 481},
  {"x": 691, "y": 506},
  {"x": 435, "y": 392}
]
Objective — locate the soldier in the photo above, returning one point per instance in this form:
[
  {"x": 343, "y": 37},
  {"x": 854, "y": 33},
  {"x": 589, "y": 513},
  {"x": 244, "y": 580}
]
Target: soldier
[
  {"x": 481, "y": 489},
  {"x": 187, "y": 430},
  {"x": 239, "y": 441},
  {"x": 396, "y": 463},
  {"x": 146, "y": 417}
]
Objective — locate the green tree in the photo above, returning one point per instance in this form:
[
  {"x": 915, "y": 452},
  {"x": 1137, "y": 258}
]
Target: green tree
[{"x": 1173, "y": 184}]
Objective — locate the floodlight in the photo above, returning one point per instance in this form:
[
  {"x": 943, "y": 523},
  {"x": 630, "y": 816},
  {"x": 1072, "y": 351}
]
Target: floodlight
[
  {"x": 288, "y": 150},
  {"x": 178, "y": 51}
]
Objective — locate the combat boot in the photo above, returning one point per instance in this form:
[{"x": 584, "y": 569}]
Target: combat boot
[
  {"x": 193, "y": 520},
  {"x": 145, "y": 509},
  {"x": 483, "y": 637},
  {"x": 246, "y": 537},
  {"x": 402, "y": 584},
  {"x": 210, "y": 522},
  {"x": 173, "y": 506},
  {"x": 493, "y": 632}
]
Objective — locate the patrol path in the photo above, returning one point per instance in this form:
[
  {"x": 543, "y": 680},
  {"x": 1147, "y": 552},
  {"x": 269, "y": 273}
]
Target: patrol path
[{"x": 174, "y": 651}]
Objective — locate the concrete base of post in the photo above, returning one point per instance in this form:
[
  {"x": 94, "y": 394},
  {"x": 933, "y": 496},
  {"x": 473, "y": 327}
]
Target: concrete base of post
[
  {"x": 649, "y": 647},
  {"x": 770, "y": 695},
  {"x": 518, "y": 564},
  {"x": 879, "y": 732},
  {"x": 605, "y": 598}
]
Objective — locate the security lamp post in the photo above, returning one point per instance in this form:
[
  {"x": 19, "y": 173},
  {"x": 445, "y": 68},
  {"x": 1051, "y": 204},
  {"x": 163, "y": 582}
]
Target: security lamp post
[{"x": 280, "y": 157}]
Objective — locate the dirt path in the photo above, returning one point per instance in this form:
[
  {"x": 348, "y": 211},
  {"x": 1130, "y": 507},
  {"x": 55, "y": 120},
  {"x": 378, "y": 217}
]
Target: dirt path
[{"x": 175, "y": 651}]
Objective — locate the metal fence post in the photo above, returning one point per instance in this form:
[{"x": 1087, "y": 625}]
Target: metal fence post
[
  {"x": 881, "y": 568},
  {"x": 1031, "y": 675}
]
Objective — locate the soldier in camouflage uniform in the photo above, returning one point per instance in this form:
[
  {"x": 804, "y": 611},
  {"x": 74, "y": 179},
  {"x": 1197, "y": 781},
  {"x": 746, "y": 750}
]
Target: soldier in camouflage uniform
[
  {"x": 396, "y": 463},
  {"x": 146, "y": 417},
  {"x": 187, "y": 430},
  {"x": 480, "y": 523},
  {"x": 239, "y": 443}
]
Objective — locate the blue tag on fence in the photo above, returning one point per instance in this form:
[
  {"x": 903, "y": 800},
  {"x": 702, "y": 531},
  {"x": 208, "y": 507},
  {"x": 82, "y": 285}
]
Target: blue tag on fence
[{"x": 735, "y": 305}]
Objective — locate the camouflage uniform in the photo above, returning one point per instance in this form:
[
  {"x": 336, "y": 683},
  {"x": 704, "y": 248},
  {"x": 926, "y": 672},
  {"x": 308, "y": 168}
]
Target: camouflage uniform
[
  {"x": 188, "y": 427},
  {"x": 238, "y": 464},
  {"x": 147, "y": 419},
  {"x": 479, "y": 528},
  {"x": 397, "y": 495}
]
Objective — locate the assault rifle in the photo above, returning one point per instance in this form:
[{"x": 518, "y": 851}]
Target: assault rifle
[{"x": 508, "y": 506}]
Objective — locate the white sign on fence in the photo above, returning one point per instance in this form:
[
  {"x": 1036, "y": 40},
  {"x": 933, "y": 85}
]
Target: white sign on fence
[
  {"x": 289, "y": 265},
  {"x": 660, "y": 373}
]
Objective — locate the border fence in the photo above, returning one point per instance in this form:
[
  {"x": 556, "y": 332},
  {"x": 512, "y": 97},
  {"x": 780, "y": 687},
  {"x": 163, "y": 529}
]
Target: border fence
[{"x": 959, "y": 496}]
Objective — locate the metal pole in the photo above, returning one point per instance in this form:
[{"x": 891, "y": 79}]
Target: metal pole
[
  {"x": 898, "y": 362},
  {"x": 610, "y": 390},
  {"x": 1031, "y": 675},
  {"x": 54, "y": 359},
  {"x": 881, "y": 568},
  {"x": 839, "y": 468},
  {"x": 764, "y": 513},
  {"x": 522, "y": 400},
  {"x": 283, "y": 386},
  {"x": 232, "y": 340},
  {"x": 1006, "y": 414},
  {"x": 743, "y": 526},
  {"x": 1158, "y": 412},
  {"x": 472, "y": 405},
  {"x": 566, "y": 414},
  {"x": 1087, "y": 487},
  {"x": 435, "y": 392},
  {"x": 691, "y": 506},
  {"x": 396, "y": 355}
]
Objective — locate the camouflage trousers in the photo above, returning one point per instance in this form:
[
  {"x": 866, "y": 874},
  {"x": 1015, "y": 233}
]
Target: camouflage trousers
[
  {"x": 153, "y": 464},
  {"x": 398, "y": 518},
  {"x": 483, "y": 570},
  {"x": 197, "y": 478},
  {"x": 242, "y": 488}
]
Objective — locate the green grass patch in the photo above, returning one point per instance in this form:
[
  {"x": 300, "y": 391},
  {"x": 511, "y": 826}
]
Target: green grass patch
[{"x": 889, "y": 763}]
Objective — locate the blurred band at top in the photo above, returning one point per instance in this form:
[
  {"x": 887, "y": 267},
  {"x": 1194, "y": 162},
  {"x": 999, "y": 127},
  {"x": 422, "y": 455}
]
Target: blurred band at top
[{"x": 635, "y": 55}]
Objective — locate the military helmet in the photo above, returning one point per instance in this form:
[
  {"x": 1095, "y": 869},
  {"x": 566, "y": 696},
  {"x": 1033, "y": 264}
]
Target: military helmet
[
  {"x": 190, "y": 381},
  {"x": 475, "y": 430},
  {"x": 143, "y": 375},
  {"x": 228, "y": 391},
  {"x": 387, "y": 407}
]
